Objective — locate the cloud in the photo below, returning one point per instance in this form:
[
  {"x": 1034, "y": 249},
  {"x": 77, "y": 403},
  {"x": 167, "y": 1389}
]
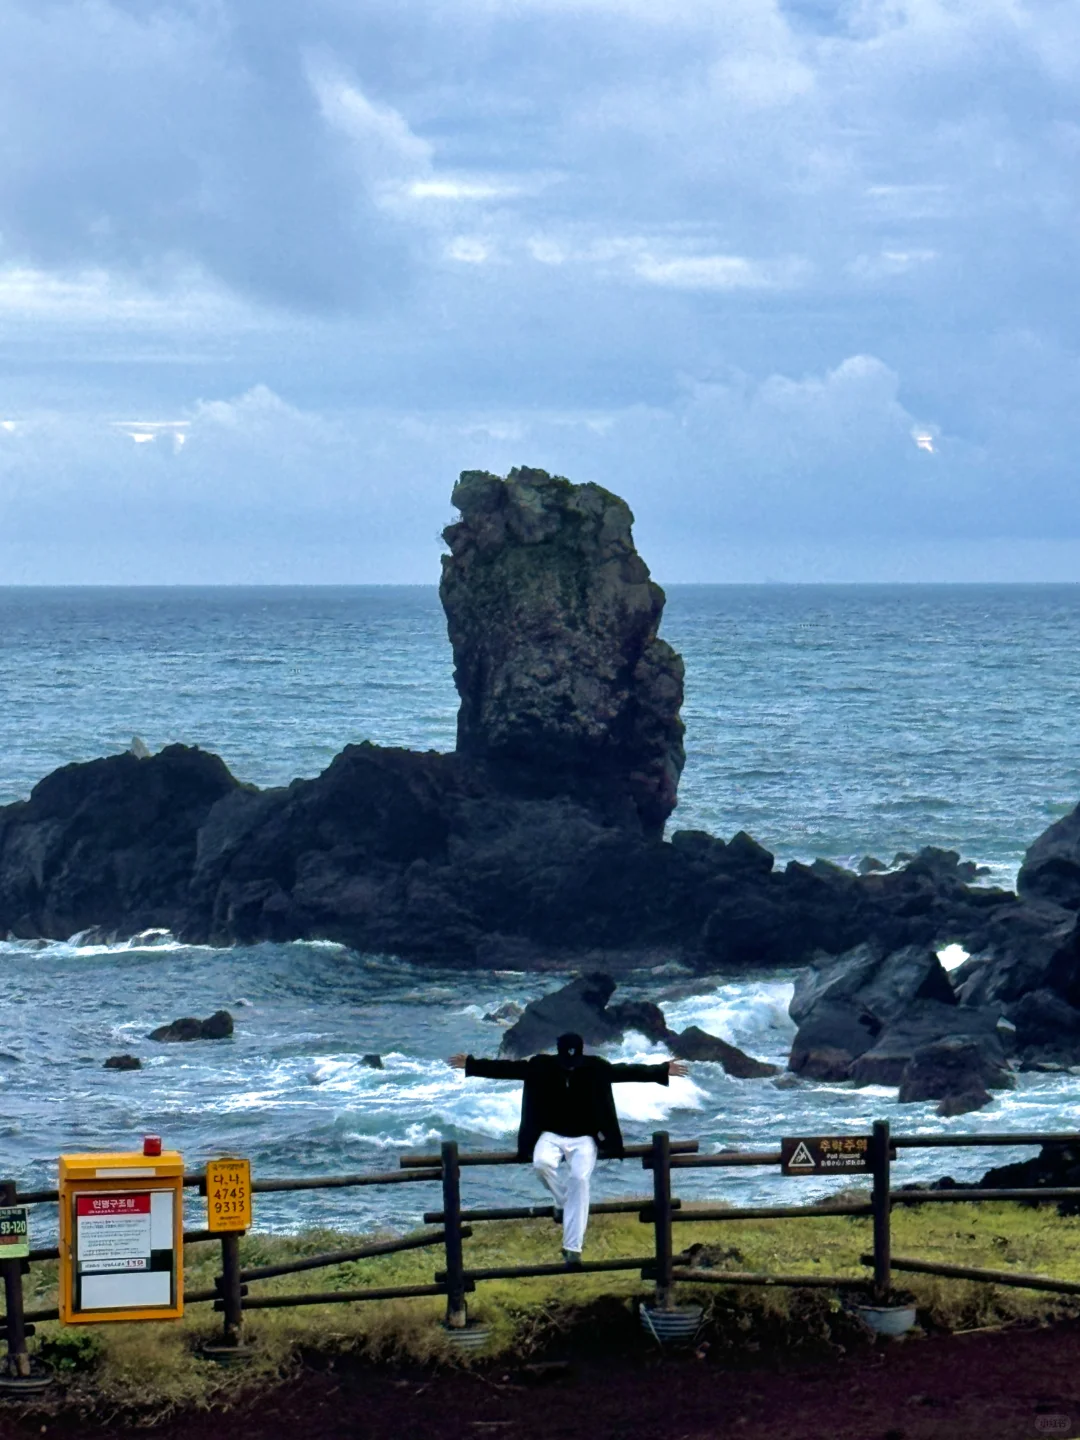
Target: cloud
[
  {"x": 830, "y": 463},
  {"x": 141, "y": 139},
  {"x": 715, "y": 272},
  {"x": 734, "y": 259},
  {"x": 386, "y": 149}
]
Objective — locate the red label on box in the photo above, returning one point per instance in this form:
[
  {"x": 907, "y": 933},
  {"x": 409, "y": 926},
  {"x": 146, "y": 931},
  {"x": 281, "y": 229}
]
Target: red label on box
[{"x": 108, "y": 1205}]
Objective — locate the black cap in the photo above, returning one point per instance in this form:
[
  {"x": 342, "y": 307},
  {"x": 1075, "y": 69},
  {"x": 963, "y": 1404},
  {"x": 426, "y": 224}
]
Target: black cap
[{"x": 571, "y": 1044}]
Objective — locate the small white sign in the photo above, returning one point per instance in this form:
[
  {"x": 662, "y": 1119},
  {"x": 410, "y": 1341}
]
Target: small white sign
[{"x": 113, "y": 1232}]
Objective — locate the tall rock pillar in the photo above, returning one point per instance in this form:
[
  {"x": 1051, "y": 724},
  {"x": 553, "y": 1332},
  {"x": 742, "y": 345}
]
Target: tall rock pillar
[{"x": 565, "y": 687}]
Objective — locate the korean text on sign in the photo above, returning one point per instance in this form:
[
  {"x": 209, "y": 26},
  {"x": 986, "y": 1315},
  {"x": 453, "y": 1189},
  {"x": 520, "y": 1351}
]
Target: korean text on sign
[
  {"x": 228, "y": 1194},
  {"x": 824, "y": 1154}
]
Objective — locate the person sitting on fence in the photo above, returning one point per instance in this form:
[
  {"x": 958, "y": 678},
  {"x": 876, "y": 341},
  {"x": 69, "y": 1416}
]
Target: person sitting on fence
[{"x": 568, "y": 1113}]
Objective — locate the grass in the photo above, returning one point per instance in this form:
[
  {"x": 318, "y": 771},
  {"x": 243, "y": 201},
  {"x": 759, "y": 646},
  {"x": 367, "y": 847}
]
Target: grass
[{"x": 152, "y": 1369}]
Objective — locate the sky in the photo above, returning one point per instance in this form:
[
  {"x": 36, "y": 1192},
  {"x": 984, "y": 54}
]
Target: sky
[{"x": 797, "y": 278}]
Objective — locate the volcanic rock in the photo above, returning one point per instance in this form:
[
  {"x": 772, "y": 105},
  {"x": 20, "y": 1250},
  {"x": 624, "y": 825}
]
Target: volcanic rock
[
  {"x": 927, "y": 1023},
  {"x": 1055, "y": 1165},
  {"x": 565, "y": 686},
  {"x": 108, "y": 843},
  {"x": 1015, "y": 951},
  {"x": 830, "y": 1040},
  {"x": 538, "y": 843},
  {"x": 218, "y": 1026},
  {"x": 122, "y": 1062},
  {"x": 882, "y": 985},
  {"x": 1047, "y": 1030},
  {"x": 579, "y": 1007},
  {"x": 964, "y": 1102},
  {"x": 373, "y": 1062},
  {"x": 695, "y": 1044},
  {"x": 582, "y": 1006},
  {"x": 952, "y": 1071},
  {"x": 641, "y": 1016},
  {"x": 842, "y": 1004},
  {"x": 1051, "y": 868}
]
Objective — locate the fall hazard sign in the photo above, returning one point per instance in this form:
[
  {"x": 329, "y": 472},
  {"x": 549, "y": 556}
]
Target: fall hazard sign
[
  {"x": 824, "y": 1154},
  {"x": 228, "y": 1194}
]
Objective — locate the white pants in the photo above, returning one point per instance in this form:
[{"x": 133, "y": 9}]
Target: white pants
[{"x": 571, "y": 1192}]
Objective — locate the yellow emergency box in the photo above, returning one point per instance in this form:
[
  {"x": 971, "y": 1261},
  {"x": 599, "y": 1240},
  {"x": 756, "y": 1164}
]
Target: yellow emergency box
[{"x": 122, "y": 1236}]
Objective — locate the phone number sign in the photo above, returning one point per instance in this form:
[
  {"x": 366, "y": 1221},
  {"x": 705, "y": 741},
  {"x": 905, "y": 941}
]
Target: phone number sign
[
  {"x": 14, "y": 1233},
  {"x": 825, "y": 1154},
  {"x": 228, "y": 1195}
]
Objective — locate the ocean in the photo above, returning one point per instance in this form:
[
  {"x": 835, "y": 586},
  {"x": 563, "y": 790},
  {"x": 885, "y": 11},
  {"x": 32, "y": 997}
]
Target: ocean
[{"x": 835, "y": 721}]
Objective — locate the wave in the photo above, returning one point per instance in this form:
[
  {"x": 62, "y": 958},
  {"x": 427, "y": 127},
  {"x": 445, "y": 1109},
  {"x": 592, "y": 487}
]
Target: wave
[
  {"x": 79, "y": 946},
  {"x": 752, "y": 1014}
]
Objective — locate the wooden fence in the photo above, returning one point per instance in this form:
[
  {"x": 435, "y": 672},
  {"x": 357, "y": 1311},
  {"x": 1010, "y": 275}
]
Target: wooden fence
[{"x": 665, "y": 1267}]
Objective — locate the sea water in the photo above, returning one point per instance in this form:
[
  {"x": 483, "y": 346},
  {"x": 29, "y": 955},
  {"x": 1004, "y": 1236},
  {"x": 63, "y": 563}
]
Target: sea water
[{"x": 833, "y": 721}]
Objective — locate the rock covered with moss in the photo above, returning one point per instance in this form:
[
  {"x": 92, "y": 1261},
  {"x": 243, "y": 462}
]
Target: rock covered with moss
[{"x": 565, "y": 685}]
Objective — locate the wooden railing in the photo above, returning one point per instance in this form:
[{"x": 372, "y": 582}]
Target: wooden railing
[{"x": 665, "y": 1267}]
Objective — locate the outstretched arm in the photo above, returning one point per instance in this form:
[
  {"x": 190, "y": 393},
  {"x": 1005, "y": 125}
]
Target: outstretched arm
[
  {"x": 656, "y": 1073},
  {"x": 489, "y": 1069}
]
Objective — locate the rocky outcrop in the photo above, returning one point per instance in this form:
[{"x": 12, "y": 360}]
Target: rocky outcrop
[
  {"x": 696, "y": 1044},
  {"x": 1051, "y": 868},
  {"x": 110, "y": 842},
  {"x": 894, "y": 1019},
  {"x": 583, "y": 1006},
  {"x": 957, "y": 1071},
  {"x": 122, "y": 1062},
  {"x": 1055, "y": 1165},
  {"x": 538, "y": 842},
  {"x": 565, "y": 686},
  {"x": 218, "y": 1026},
  {"x": 580, "y": 1006},
  {"x": 1047, "y": 1030},
  {"x": 844, "y": 1007}
]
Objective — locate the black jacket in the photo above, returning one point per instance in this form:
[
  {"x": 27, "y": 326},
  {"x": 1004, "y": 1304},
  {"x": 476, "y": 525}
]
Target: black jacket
[{"x": 547, "y": 1083}]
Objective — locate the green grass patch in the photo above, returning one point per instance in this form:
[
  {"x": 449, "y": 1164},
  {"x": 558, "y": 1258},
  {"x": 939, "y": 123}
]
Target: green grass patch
[{"x": 154, "y": 1369}]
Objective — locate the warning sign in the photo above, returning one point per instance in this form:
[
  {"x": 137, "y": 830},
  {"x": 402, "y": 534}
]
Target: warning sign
[
  {"x": 113, "y": 1232},
  {"x": 228, "y": 1195},
  {"x": 824, "y": 1154},
  {"x": 14, "y": 1233},
  {"x": 121, "y": 1227}
]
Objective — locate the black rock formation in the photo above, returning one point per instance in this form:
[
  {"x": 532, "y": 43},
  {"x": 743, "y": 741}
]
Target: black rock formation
[
  {"x": 218, "y": 1026},
  {"x": 895, "y": 1019},
  {"x": 958, "y": 1070},
  {"x": 583, "y": 1006},
  {"x": 565, "y": 687},
  {"x": 1056, "y": 1166},
  {"x": 1051, "y": 868},
  {"x": 110, "y": 843},
  {"x": 539, "y": 841},
  {"x": 696, "y": 1044},
  {"x": 122, "y": 1062}
]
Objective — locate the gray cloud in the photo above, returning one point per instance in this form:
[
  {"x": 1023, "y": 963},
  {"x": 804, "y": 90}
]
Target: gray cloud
[{"x": 730, "y": 260}]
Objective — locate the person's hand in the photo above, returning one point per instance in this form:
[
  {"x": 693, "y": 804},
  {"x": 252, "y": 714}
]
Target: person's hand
[
  {"x": 678, "y": 1067},
  {"x": 457, "y": 1062}
]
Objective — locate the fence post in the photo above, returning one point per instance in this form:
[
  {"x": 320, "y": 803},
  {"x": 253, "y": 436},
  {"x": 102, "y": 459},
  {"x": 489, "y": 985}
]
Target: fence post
[
  {"x": 231, "y": 1289},
  {"x": 661, "y": 1168},
  {"x": 18, "y": 1359},
  {"x": 457, "y": 1316},
  {"x": 879, "y": 1157}
]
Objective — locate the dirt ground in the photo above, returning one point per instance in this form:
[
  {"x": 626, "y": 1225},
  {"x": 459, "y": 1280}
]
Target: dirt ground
[{"x": 1017, "y": 1384}]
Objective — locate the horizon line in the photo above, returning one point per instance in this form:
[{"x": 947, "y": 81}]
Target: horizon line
[{"x": 434, "y": 584}]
